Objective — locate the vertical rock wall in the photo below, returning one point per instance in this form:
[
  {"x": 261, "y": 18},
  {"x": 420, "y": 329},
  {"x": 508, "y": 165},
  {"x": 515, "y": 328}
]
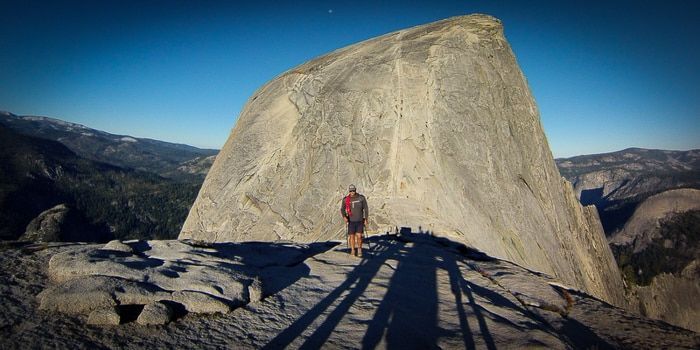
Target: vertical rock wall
[{"x": 436, "y": 126}]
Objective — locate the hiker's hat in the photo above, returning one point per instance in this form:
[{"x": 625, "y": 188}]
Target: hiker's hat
[{"x": 352, "y": 188}]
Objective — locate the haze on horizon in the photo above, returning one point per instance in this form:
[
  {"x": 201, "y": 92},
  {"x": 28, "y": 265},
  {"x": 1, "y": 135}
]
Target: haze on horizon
[{"x": 606, "y": 76}]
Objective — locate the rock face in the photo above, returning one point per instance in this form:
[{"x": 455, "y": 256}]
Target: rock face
[
  {"x": 47, "y": 226},
  {"x": 438, "y": 129},
  {"x": 671, "y": 298},
  {"x": 643, "y": 226}
]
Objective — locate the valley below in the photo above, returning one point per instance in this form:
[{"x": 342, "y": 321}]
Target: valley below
[{"x": 649, "y": 205}]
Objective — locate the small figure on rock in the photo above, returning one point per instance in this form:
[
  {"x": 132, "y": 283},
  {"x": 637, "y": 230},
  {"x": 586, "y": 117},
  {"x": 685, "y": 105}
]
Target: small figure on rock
[{"x": 355, "y": 211}]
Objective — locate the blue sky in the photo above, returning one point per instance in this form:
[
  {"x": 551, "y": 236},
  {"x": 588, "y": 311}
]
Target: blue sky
[{"x": 606, "y": 75}]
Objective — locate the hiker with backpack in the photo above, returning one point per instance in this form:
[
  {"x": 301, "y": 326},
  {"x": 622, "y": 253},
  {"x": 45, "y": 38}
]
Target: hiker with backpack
[{"x": 354, "y": 211}]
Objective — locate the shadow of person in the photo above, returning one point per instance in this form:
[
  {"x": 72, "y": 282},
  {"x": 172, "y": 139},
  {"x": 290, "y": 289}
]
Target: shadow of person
[
  {"x": 413, "y": 291},
  {"x": 459, "y": 287},
  {"x": 407, "y": 315},
  {"x": 357, "y": 281}
]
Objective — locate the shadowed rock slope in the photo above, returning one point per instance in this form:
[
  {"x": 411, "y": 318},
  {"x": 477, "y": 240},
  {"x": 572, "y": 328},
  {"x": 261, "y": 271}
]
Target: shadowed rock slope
[
  {"x": 408, "y": 292},
  {"x": 437, "y": 127}
]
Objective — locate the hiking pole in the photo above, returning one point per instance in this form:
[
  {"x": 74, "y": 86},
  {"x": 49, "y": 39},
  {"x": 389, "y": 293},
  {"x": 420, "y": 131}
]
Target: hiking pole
[{"x": 365, "y": 238}]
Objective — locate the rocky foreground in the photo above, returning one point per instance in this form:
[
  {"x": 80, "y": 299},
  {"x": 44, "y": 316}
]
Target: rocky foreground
[{"x": 408, "y": 291}]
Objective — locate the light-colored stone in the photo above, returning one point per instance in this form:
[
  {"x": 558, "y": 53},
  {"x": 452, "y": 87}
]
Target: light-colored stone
[
  {"x": 436, "y": 126},
  {"x": 104, "y": 317},
  {"x": 80, "y": 296},
  {"x": 213, "y": 278},
  {"x": 156, "y": 313},
  {"x": 118, "y": 246},
  {"x": 87, "y": 260},
  {"x": 255, "y": 290},
  {"x": 201, "y": 303}
]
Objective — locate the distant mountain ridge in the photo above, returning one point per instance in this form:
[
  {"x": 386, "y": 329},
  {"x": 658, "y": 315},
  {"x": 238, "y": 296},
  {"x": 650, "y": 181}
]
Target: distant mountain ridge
[
  {"x": 112, "y": 185},
  {"x": 617, "y": 182},
  {"x": 106, "y": 201},
  {"x": 170, "y": 160}
]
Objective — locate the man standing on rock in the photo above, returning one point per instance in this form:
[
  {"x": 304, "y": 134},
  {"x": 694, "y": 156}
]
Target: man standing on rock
[{"x": 354, "y": 211}]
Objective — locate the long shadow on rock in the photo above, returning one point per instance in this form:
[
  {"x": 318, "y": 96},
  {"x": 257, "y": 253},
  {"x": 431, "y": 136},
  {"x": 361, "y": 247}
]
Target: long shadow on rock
[
  {"x": 408, "y": 314},
  {"x": 263, "y": 254},
  {"x": 360, "y": 277},
  {"x": 277, "y": 265},
  {"x": 460, "y": 287},
  {"x": 277, "y": 278},
  {"x": 582, "y": 337}
]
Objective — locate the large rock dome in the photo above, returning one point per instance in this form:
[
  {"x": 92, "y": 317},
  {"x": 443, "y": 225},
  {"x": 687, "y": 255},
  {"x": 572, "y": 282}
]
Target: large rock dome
[{"x": 436, "y": 126}]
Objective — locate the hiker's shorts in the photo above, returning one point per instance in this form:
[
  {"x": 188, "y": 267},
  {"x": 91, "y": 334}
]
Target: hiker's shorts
[{"x": 356, "y": 227}]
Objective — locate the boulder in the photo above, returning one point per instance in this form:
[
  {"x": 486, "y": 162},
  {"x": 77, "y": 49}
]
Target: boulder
[
  {"x": 408, "y": 291},
  {"x": 118, "y": 246},
  {"x": 104, "y": 317},
  {"x": 215, "y": 278},
  {"x": 47, "y": 226},
  {"x": 201, "y": 303},
  {"x": 156, "y": 313},
  {"x": 80, "y": 295}
]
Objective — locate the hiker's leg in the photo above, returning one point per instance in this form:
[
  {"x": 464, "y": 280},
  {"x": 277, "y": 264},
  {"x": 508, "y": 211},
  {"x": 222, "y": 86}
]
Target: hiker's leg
[
  {"x": 351, "y": 242},
  {"x": 358, "y": 243}
]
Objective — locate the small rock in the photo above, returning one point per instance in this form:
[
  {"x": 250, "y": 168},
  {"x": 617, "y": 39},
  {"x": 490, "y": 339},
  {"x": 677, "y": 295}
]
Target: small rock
[
  {"x": 81, "y": 295},
  {"x": 156, "y": 313},
  {"x": 116, "y": 245},
  {"x": 201, "y": 303},
  {"x": 104, "y": 317},
  {"x": 255, "y": 290}
]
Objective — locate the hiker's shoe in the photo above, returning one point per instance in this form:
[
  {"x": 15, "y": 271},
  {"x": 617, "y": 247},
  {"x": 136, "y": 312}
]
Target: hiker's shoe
[
  {"x": 359, "y": 253},
  {"x": 352, "y": 252}
]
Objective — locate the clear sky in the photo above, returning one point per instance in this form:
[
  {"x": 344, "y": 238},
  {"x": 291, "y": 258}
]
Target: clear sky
[{"x": 606, "y": 75}]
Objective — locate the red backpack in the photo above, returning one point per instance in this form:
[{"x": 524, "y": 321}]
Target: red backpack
[{"x": 348, "y": 211}]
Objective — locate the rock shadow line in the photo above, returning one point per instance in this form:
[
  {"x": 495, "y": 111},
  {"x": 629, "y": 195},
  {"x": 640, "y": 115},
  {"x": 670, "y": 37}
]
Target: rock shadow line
[
  {"x": 408, "y": 312},
  {"x": 360, "y": 276}
]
